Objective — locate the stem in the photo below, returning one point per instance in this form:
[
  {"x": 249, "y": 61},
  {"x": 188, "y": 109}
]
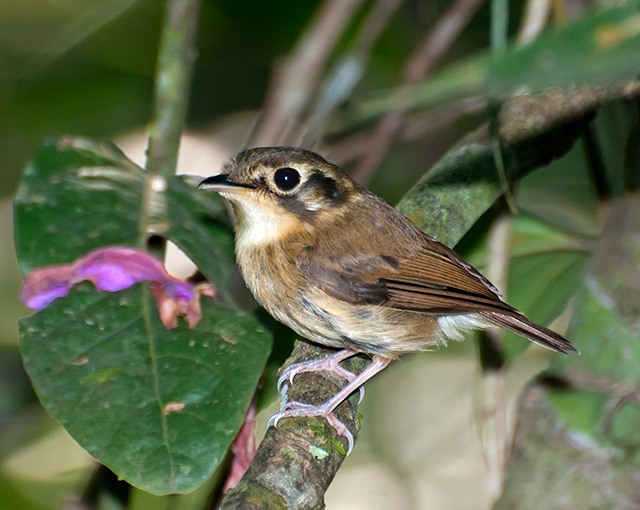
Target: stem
[
  {"x": 499, "y": 26},
  {"x": 173, "y": 78}
]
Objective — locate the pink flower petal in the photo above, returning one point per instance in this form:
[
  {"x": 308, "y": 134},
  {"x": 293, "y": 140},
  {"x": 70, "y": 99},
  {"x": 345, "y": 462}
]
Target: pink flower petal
[{"x": 113, "y": 269}]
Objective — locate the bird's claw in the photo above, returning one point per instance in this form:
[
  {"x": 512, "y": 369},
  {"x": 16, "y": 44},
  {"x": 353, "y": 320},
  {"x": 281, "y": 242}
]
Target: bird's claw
[
  {"x": 301, "y": 410},
  {"x": 328, "y": 364}
]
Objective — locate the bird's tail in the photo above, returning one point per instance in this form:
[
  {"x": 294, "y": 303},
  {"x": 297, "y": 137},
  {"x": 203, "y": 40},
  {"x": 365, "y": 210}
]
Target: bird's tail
[{"x": 520, "y": 325}]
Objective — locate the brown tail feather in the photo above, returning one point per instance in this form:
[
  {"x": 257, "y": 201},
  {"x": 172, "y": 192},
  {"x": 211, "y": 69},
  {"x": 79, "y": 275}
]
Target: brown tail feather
[{"x": 522, "y": 326}]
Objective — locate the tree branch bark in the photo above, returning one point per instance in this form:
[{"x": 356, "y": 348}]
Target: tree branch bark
[{"x": 296, "y": 462}]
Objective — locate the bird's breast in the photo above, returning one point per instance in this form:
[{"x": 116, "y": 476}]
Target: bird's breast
[{"x": 272, "y": 275}]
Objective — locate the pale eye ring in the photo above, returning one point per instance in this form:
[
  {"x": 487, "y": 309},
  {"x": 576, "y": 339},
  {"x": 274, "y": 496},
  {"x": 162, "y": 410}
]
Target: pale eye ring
[{"x": 286, "y": 178}]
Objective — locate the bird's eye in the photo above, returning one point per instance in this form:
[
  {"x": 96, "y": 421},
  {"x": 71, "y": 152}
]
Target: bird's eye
[{"x": 286, "y": 178}]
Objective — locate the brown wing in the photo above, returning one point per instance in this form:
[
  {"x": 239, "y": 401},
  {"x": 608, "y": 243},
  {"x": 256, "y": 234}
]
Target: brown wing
[
  {"x": 434, "y": 280},
  {"x": 437, "y": 280}
]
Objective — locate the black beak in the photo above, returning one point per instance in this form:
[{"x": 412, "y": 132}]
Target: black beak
[{"x": 220, "y": 182}]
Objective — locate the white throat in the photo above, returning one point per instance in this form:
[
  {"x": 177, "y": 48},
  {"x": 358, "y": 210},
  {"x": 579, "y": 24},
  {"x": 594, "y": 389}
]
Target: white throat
[{"x": 259, "y": 224}]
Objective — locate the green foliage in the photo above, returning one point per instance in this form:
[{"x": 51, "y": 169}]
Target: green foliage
[
  {"x": 158, "y": 407},
  {"x": 601, "y": 47},
  {"x": 78, "y": 195},
  {"x": 540, "y": 285}
]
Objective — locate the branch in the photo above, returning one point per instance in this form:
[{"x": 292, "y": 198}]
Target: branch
[
  {"x": 295, "y": 80},
  {"x": 434, "y": 46},
  {"x": 296, "y": 462}
]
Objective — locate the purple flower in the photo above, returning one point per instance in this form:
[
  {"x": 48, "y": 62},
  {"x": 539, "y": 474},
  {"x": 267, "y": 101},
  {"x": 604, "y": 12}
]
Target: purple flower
[{"x": 116, "y": 268}]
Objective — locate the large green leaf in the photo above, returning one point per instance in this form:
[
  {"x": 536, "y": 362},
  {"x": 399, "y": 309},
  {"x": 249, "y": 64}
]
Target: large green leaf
[
  {"x": 544, "y": 271},
  {"x": 77, "y": 195},
  {"x": 159, "y": 407},
  {"x": 563, "y": 193},
  {"x": 605, "y": 325},
  {"x": 540, "y": 285},
  {"x": 103, "y": 364}
]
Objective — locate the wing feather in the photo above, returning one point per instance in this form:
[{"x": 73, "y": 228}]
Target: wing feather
[{"x": 433, "y": 280}]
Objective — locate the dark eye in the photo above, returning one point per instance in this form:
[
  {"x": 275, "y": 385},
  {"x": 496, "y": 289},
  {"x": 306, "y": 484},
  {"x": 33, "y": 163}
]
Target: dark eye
[{"x": 286, "y": 178}]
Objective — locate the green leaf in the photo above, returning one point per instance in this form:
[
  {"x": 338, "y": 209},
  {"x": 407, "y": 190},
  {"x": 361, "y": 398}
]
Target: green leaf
[
  {"x": 158, "y": 407},
  {"x": 563, "y": 193},
  {"x": 78, "y": 195},
  {"x": 199, "y": 226},
  {"x": 601, "y": 47},
  {"x": 13, "y": 497},
  {"x": 540, "y": 285},
  {"x": 607, "y": 342},
  {"x": 604, "y": 326},
  {"x": 580, "y": 411},
  {"x": 103, "y": 364},
  {"x": 544, "y": 271}
]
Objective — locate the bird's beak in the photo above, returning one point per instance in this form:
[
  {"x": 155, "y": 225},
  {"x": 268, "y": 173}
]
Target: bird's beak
[{"x": 221, "y": 182}]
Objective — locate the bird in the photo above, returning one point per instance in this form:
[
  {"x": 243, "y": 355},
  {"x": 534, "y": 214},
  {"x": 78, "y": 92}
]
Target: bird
[{"x": 343, "y": 268}]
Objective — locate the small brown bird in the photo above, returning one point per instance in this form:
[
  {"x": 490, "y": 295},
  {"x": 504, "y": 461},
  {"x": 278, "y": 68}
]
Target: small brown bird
[{"x": 343, "y": 268}]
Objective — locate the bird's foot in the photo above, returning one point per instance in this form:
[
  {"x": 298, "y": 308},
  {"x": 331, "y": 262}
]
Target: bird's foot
[
  {"x": 329, "y": 363},
  {"x": 302, "y": 410}
]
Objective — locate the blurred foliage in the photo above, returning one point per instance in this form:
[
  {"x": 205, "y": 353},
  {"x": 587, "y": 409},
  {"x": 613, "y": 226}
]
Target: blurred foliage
[
  {"x": 85, "y": 67},
  {"x": 598, "y": 48}
]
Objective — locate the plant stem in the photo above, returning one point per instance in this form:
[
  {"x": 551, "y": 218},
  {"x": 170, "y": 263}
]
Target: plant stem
[
  {"x": 499, "y": 26},
  {"x": 176, "y": 56}
]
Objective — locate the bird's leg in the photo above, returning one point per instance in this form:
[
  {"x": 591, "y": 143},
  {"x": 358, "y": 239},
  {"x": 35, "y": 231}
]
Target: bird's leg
[
  {"x": 299, "y": 409},
  {"x": 329, "y": 363}
]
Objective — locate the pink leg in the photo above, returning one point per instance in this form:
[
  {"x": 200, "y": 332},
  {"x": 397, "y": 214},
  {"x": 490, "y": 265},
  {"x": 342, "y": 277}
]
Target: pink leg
[
  {"x": 329, "y": 363},
  {"x": 299, "y": 409}
]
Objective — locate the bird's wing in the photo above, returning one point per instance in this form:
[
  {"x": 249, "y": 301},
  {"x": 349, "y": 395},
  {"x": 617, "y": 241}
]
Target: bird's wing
[{"x": 433, "y": 280}]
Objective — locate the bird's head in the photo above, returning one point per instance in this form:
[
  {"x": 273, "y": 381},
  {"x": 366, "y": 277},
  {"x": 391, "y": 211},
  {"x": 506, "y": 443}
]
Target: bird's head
[{"x": 276, "y": 189}]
